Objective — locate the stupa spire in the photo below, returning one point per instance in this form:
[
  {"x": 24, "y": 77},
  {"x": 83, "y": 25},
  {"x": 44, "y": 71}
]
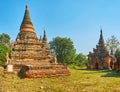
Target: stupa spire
[
  {"x": 26, "y": 7},
  {"x": 101, "y": 40},
  {"x": 27, "y": 23},
  {"x": 44, "y": 41},
  {"x": 44, "y": 37}
]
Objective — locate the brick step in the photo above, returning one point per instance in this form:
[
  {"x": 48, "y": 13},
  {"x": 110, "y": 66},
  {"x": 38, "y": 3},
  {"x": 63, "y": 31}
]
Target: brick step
[{"x": 45, "y": 73}]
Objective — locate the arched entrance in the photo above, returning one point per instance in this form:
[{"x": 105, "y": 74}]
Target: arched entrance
[{"x": 96, "y": 65}]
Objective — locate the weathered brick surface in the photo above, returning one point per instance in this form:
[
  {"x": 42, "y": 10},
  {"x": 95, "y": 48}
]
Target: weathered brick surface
[
  {"x": 100, "y": 58},
  {"x": 31, "y": 56},
  {"x": 117, "y": 65},
  {"x": 40, "y": 70}
]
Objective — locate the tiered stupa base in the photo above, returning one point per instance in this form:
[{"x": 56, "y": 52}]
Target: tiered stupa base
[{"x": 40, "y": 69}]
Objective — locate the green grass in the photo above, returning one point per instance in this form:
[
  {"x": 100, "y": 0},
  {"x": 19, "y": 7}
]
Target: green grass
[{"x": 79, "y": 81}]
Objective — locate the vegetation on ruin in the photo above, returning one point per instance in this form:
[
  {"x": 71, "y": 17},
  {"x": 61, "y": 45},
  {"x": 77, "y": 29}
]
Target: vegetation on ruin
[{"x": 81, "y": 80}]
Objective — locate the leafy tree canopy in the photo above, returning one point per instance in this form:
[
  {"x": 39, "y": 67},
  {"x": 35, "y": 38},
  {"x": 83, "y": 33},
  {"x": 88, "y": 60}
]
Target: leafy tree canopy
[
  {"x": 3, "y": 51},
  {"x": 81, "y": 60},
  {"x": 4, "y": 39},
  {"x": 64, "y": 49},
  {"x": 4, "y": 47}
]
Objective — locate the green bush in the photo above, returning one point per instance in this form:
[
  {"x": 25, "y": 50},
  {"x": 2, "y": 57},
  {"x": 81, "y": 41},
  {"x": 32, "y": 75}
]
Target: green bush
[
  {"x": 3, "y": 51},
  {"x": 81, "y": 60}
]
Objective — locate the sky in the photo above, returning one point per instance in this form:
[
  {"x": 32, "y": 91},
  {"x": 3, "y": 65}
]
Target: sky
[{"x": 80, "y": 20}]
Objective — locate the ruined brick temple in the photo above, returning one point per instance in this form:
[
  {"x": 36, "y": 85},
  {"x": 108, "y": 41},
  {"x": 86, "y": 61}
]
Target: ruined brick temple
[
  {"x": 100, "y": 58},
  {"x": 31, "y": 56}
]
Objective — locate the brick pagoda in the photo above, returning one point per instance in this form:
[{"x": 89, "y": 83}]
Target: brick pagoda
[
  {"x": 100, "y": 58},
  {"x": 32, "y": 56}
]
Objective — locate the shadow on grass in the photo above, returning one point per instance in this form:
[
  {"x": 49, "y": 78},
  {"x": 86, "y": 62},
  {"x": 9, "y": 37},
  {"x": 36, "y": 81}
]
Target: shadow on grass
[
  {"x": 112, "y": 73},
  {"x": 108, "y": 73},
  {"x": 96, "y": 71},
  {"x": 20, "y": 75}
]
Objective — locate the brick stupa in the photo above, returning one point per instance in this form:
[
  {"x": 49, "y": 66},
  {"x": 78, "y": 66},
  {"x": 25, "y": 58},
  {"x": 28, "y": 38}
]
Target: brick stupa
[
  {"x": 100, "y": 58},
  {"x": 32, "y": 56}
]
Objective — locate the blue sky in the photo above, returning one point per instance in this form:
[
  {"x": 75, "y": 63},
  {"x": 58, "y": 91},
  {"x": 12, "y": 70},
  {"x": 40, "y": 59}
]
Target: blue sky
[{"x": 79, "y": 20}]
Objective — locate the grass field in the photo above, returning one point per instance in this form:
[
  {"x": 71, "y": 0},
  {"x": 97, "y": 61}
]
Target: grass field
[{"x": 79, "y": 81}]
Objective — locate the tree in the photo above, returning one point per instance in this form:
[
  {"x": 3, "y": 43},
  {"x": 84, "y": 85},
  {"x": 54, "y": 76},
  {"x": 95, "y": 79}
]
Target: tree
[
  {"x": 117, "y": 53},
  {"x": 4, "y": 47},
  {"x": 64, "y": 50},
  {"x": 3, "y": 51},
  {"x": 112, "y": 44},
  {"x": 81, "y": 60},
  {"x": 4, "y": 39}
]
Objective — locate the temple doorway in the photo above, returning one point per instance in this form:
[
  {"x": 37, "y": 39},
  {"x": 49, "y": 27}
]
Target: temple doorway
[{"x": 96, "y": 65}]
